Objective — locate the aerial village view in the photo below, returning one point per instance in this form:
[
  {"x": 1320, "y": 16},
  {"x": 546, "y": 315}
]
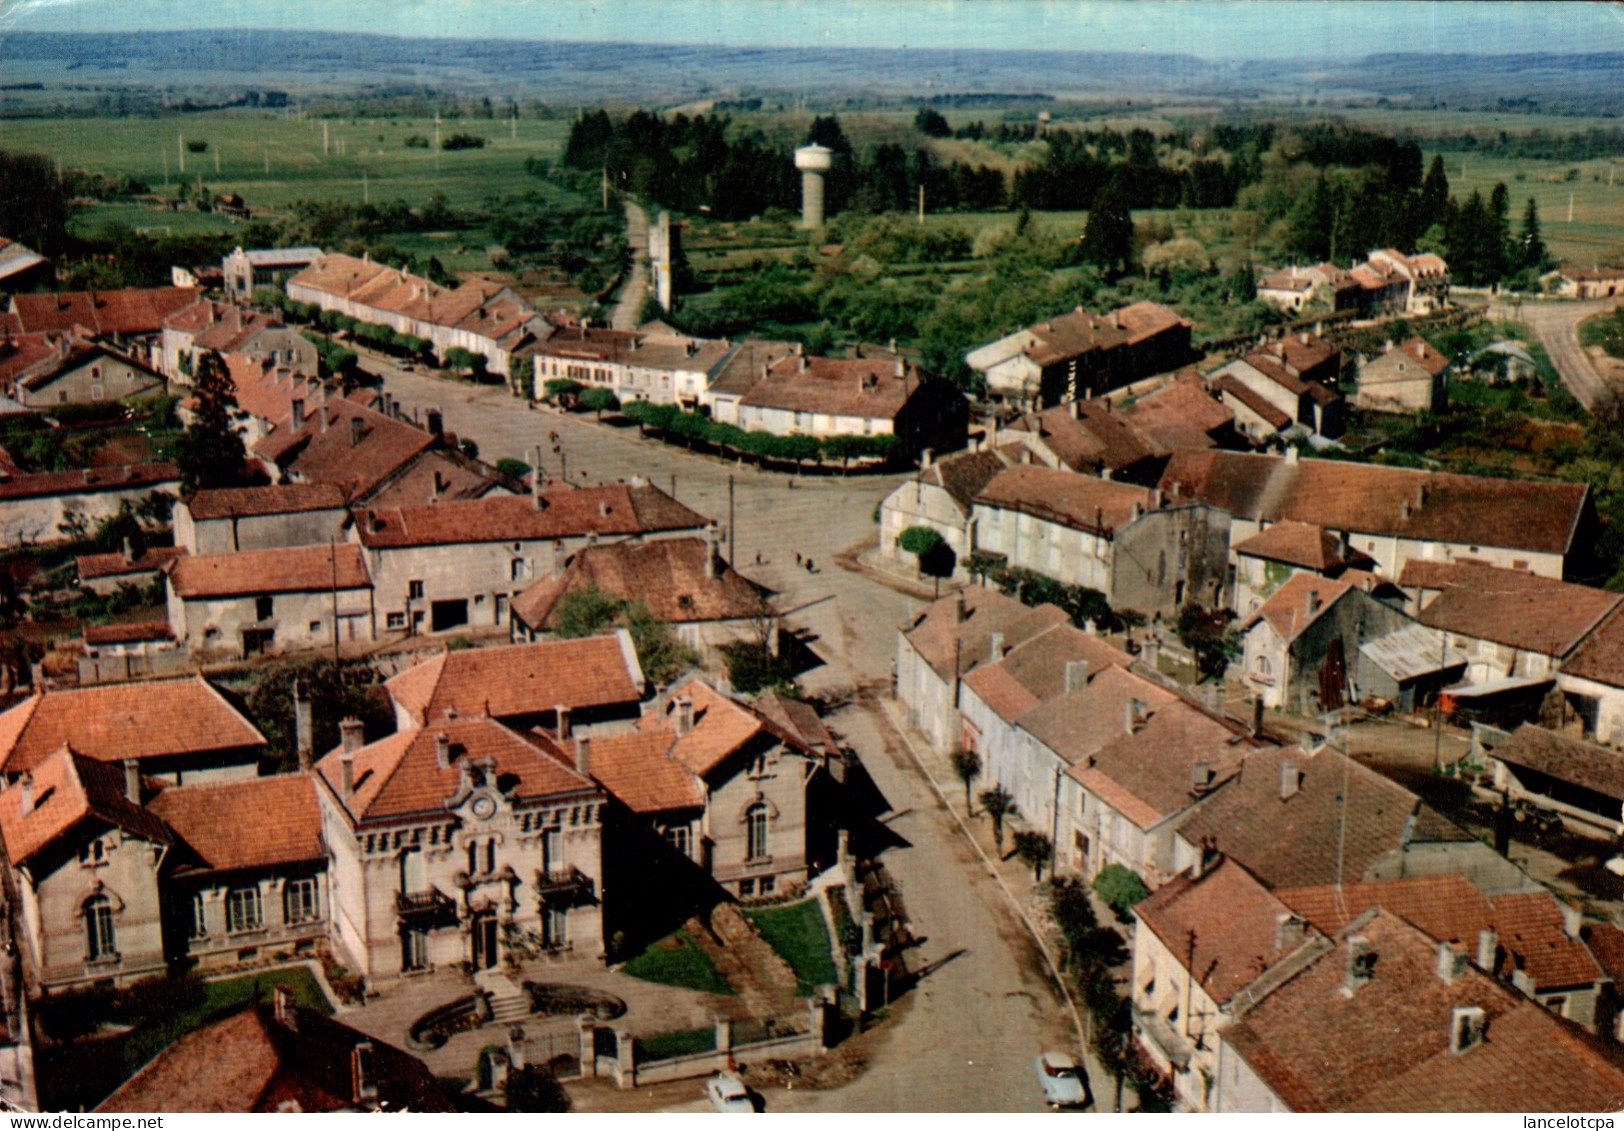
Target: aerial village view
[{"x": 808, "y": 557}]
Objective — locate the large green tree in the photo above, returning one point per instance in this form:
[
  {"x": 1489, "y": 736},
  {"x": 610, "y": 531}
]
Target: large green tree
[
  {"x": 34, "y": 203},
  {"x": 1108, "y": 235},
  {"x": 1531, "y": 250},
  {"x": 210, "y": 453}
]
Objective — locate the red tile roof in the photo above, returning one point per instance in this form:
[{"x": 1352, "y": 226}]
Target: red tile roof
[
  {"x": 1034, "y": 671},
  {"x": 866, "y": 387},
  {"x": 1293, "y": 841},
  {"x": 1368, "y": 498},
  {"x": 400, "y": 776},
  {"x": 1076, "y": 725},
  {"x": 1523, "y": 610},
  {"x": 260, "y": 823},
  {"x": 1078, "y": 501},
  {"x": 251, "y": 1061},
  {"x": 89, "y": 481},
  {"x": 1386, "y": 1045},
  {"x": 1302, "y": 600},
  {"x": 668, "y": 576},
  {"x": 127, "y": 633},
  {"x": 638, "y": 769},
  {"x": 1224, "y": 927},
  {"x": 1294, "y": 543},
  {"x": 132, "y": 311},
  {"x": 570, "y": 512},
  {"x": 1181, "y": 415},
  {"x": 1151, "y": 774},
  {"x": 963, "y": 474},
  {"x": 94, "y": 566},
  {"x": 1231, "y": 387},
  {"x": 64, "y": 789},
  {"x": 721, "y": 727},
  {"x": 1599, "y": 769},
  {"x": 111, "y": 722},
  {"x": 986, "y": 611},
  {"x": 515, "y": 680},
  {"x": 1087, "y": 436},
  {"x": 250, "y": 502},
  {"x": 343, "y": 443},
  {"x": 1601, "y": 655},
  {"x": 290, "y": 569},
  {"x": 1420, "y": 352}
]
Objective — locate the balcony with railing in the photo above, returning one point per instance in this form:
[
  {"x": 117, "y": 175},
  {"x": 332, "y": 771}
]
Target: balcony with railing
[
  {"x": 428, "y": 907},
  {"x": 565, "y": 885}
]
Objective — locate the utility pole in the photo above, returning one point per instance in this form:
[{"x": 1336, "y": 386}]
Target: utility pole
[
  {"x": 164, "y": 153},
  {"x": 1570, "y": 208},
  {"x": 921, "y": 203},
  {"x": 180, "y": 148},
  {"x": 326, "y": 141},
  {"x": 732, "y": 533}
]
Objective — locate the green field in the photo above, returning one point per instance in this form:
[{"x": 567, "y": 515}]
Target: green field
[
  {"x": 272, "y": 160},
  {"x": 1596, "y": 232}
]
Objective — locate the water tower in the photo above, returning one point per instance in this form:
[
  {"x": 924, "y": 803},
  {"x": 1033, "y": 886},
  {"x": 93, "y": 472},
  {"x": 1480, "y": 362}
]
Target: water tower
[{"x": 813, "y": 161}]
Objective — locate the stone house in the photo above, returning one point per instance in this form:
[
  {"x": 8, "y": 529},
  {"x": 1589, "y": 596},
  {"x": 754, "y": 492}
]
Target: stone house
[
  {"x": 1527, "y": 940},
  {"x": 1592, "y": 681},
  {"x": 940, "y": 497},
  {"x": 1301, "y": 646},
  {"x": 1205, "y": 943},
  {"x": 479, "y": 316},
  {"x": 225, "y": 329},
  {"x": 1076, "y": 355},
  {"x": 1511, "y": 624},
  {"x": 1294, "y": 288},
  {"x": 1389, "y": 1019},
  {"x": 1412, "y": 377},
  {"x": 236, "y": 519},
  {"x": 106, "y": 573},
  {"x": 441, "y": 567},
  {"x": 1121, "y": 540},
  {"x": 1268, "y": 559},
  {"x": 1590, "y": 282},
  {"x": 682, "y": 582},
  {"x": 1582, "y": 781},
  {"x": 1392, "y": 514},
  {"x": 653, "y": 363},
  {"x": 997, "y": 695},
  {"x": 129, "y": 319},
  {"x": 1291, "y": 379},
  {"x": 862, "y": 396},
  {"x": 951, "y": 637},
  {"x": 730, "y": 790},
  {"x": 181, "y": 731},
  {"x": 246, "y": 271},
  {"x": 43, "y": 506},
  {"x": 1425, "y": 276},
  {"x": 44, "y": 371},
  {"x": 264, "y": 602},
  {"x": 459, "y": 841}
]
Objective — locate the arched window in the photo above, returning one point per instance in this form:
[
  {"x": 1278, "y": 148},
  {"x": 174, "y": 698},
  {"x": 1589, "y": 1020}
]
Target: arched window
[
  {"x": 1263, "y": 665},
  {"x": 100, "y": 942},
  {"x": 755, "y": 831}
]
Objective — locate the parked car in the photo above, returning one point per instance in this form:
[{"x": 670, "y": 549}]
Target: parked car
[
  {"x": 729, "y": 1096},
  {"x": 1062, "y": 1080}
]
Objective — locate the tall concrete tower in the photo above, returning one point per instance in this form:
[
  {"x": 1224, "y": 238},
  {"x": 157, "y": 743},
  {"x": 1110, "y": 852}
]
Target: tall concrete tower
[{"x": 813, "y": 161}]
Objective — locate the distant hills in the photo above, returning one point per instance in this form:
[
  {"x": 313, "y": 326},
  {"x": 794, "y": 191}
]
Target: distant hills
[{"x": 567, "y": 73}]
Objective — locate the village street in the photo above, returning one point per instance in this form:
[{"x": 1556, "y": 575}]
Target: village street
[{"x": 967, "y": 1039}]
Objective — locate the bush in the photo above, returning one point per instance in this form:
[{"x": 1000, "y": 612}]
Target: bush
[
  {"x": 752, "y": 668},
  {"x": 533, "y": 1088},
  {"x": 512, "y": 468},
  {"x": 463, "y": 141},
  {"x": 416, "y": 141},
  {"x": 1120, "y": 888}
]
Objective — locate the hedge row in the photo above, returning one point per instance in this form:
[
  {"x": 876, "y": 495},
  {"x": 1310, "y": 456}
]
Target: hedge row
[{"x": 675, "y": 423}]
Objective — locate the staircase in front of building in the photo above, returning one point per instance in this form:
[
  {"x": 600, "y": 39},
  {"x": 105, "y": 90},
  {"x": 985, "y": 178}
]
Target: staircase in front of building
[{"x": 508, "y": 1000}]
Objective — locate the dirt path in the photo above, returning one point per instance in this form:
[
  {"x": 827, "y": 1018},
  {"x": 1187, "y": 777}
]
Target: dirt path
[{"x": 633, "y": 293}]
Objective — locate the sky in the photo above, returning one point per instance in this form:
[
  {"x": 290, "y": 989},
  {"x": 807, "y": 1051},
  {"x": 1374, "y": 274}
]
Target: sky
[{"x": 1213, "y": 29}]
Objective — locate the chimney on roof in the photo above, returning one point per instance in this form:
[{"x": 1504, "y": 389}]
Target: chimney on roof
[
  {"x": 1420, "y": 350},
  {"x": 298, "y": 412},
  {"x": 304, "y": 742},
  {"x": 1404, "y": 509},
  {"x": 358, "y": 429},
  {"x": 1292, "y": 453},
  {"x": 1207, "y": 855},
  {"x": 1257, "y": 716},
  {"x": 1076, "y": 675},
  {"x": 1572, "y": 920},
  {"x": 129, "y": 547},
  {"x": 442, "y": 750},
  {"x": 438, "y": 487},
  {"x": 364, "y": 1083},
  {"x": 535, "y": 479},
  {"x": 1451, "y": 964},
  {"x": 959, "y": 611},
  {"x": 132, "y": 781},
  {"x": 1488, "y": 947},
  {"x": 346, "y": 773},
  {"x": 799, "y": 349},
  {"x": 326, "y": 416},
  {"x": 436, "y": 422},
  {"x": 1387, "y": 346},
  {"x": 26, "y": 785},
  {"x": 351, "y": 734},
  {"x": 1288, "y": 932},
  {"x": 561, "y": 721},
  {"x": 926, "y": 458},
  {"x": 995, "y": 648},
  {"x": 1313, "y": 601},
  {"x": 902, "y": 368},
  {"x": 89, "y": 476},
  {"x": 1200, "y": 778},
  {"x": 583, "y": 756},
  {"x": 1361, "y": 964},
  {"x": 1304, "y": 337},
  {"x": 1421, "y": 496},
  {"x": 1134, "y": 714},
  {"x": 1291, "y": 780},
  {"x": 685, "y": 714},
  {"x": 1467, "y": 1025},
  {"x": 710, "y": 552}
]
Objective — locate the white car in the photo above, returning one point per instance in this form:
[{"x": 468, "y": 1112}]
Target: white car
[
  {"x": 1062, "y": 1080},
  {"x": 728, "y": 1095}
]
